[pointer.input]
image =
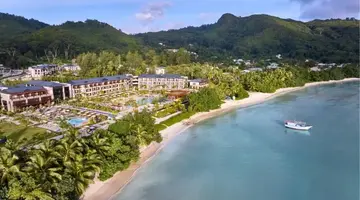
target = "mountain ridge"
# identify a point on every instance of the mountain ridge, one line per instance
(254, 36)
(263, 36)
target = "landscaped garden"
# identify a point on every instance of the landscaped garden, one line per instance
(23, 134)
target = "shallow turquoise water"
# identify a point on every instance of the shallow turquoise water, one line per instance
(248, 154)
(77, 121)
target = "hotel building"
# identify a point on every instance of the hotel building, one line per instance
(161, 81)
(102, 85)
(17, 98)
(34, 93)
(58, 91)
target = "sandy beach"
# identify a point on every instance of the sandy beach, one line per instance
(109, 188)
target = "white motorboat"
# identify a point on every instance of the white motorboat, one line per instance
(297, 125)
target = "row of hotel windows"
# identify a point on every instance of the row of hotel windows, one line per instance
(160, 79)
(28, 95)
(100, 84)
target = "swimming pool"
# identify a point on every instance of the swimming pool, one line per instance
(143, 101)
(76, 122)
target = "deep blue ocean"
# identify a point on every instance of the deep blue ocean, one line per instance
(247, 154)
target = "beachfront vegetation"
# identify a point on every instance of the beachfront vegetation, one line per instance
(234, 82)
(173, 120)
(205, 99)
(168, 109)
(63, 169)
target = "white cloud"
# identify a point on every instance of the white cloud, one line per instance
(311, 9)
(152, 11)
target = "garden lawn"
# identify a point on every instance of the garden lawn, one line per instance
(173, 120)
(20, 132)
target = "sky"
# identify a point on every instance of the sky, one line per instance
(135, 16)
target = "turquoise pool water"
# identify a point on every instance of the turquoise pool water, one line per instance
(76, 122)
(143, 101)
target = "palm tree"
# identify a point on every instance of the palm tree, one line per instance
(99, 143)
(45, 169)
(83, 170)
(8, 165)
(11, 145)
(68, 150)
(16, 192)
(46, 149)
(140, 133)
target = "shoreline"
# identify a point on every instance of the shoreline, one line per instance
(103, 190)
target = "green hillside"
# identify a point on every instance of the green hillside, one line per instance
(11, 25)
(64, 41)
(24, 42)
(265, 36)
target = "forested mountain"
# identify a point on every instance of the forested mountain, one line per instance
(64, 41)
(24, 42)
(259, 36)
(12, 26)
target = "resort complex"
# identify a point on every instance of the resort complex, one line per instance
(37, 93)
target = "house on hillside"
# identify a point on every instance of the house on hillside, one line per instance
(70, 67)
(160, 70)
(39, 71)
(272, 66)
(198, 83)
(315, 69)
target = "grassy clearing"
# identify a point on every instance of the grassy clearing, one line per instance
(173, 120)
(23, 134)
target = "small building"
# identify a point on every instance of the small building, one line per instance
(39, 71)
(17, 98)
(177, 94)
(238, 61)
(160, 70)
(247, 62)
(315, 69)
(273, 66)
(198, 83)
(70, 67)
(255, 69)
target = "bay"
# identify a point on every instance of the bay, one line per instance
(248, 154)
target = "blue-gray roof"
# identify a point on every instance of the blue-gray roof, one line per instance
(160, 76)
(98, 80)
(44, 83)
(44, 66)
(198, 80)
(14, 90)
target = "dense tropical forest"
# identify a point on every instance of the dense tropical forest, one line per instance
(24, 42)
(62, 169)
(259, 36)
